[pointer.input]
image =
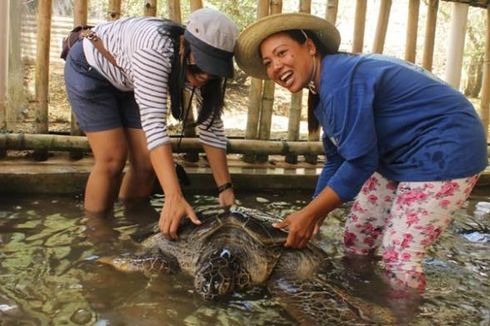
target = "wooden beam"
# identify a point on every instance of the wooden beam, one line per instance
(430, 34)
(331, 12)
(412, 28)
(457, 33)
(485, 92)
(359, 26)
(150, 8)
(382, 26)
(236, 146)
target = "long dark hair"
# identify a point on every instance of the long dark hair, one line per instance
(213, 92)
(301, 36)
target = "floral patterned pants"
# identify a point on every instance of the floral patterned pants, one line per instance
(403, 218)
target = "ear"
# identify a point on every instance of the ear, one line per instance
(310, 45)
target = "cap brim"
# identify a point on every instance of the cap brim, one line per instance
(247, 54)
(212, 64)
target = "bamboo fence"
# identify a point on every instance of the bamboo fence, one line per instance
(261, 93)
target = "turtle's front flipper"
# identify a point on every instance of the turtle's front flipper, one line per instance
(155, 261)
(311, 300)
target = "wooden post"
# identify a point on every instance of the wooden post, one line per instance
(80, 12)
(430, 34)
(455, 52)
(268, 96)
(331, 12)
(412, 26)
(485, 92)
(15, 78)
(296, 101)
(359, 26)
(150, 8)
(174, 11)
(255, 94)
(382, 26)
(114, 9)
(42, 71)
(4, 46)
(196, 4)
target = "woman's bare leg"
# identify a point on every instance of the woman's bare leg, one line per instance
(110, 149)
(138, 179)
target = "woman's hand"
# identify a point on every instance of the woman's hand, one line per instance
(227, 198)
(305, 223)
(301, 226)
(174, 208)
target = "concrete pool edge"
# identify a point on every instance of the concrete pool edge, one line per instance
(64, 176)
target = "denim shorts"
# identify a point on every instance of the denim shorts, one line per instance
(97, 104)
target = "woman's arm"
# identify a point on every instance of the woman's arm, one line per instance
(219, 165)
(175, 206)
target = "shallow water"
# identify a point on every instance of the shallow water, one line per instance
(49, 276)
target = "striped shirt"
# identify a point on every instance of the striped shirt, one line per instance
(144, 57)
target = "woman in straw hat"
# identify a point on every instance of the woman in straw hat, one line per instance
(405, 146)
(122, 103)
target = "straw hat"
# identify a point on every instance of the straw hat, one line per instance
(247, 53)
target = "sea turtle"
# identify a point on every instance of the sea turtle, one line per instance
(237, 249)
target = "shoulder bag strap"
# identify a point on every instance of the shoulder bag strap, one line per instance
(92, 36)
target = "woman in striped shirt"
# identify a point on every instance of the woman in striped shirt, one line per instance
(122, 107)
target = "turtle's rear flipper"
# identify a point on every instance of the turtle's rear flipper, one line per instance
(313, 300)
(150, 262)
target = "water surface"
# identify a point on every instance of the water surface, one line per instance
(49, 276)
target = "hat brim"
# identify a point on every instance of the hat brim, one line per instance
(209, 59)
(247, 53)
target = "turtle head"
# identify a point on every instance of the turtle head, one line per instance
(220, 273)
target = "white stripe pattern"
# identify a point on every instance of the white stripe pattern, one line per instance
(144, 58)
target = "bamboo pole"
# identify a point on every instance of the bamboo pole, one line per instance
(16, 141)
(430, 34)
(15, 78)
(382, 26)
(485, 93)
(150, 8)
(255, 93)
(331, 12)
(196, 4)
(412, 27)
(4, 42)
(4, 51)
(42, 65)
(80, 13)
(457, 31)
(359, 26)
(174, 11)
(296, 101)
(268, 95)
(114, 9)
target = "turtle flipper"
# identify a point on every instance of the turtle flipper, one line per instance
(302, 289)
(149, 262)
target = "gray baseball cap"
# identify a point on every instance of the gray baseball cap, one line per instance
(212, 37)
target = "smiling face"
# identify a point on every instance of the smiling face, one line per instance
(287, 62)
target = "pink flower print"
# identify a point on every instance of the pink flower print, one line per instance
(356, 207)
(387, 199)
(444, 203)
(447, 189)
(354, 217)
(406, 256)
(369, 241)
(390, 256)
(349, 239)
(373, 199)
(391, 186)
(370, 185)
(411, 197)
(407, 238)
(412, 218)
